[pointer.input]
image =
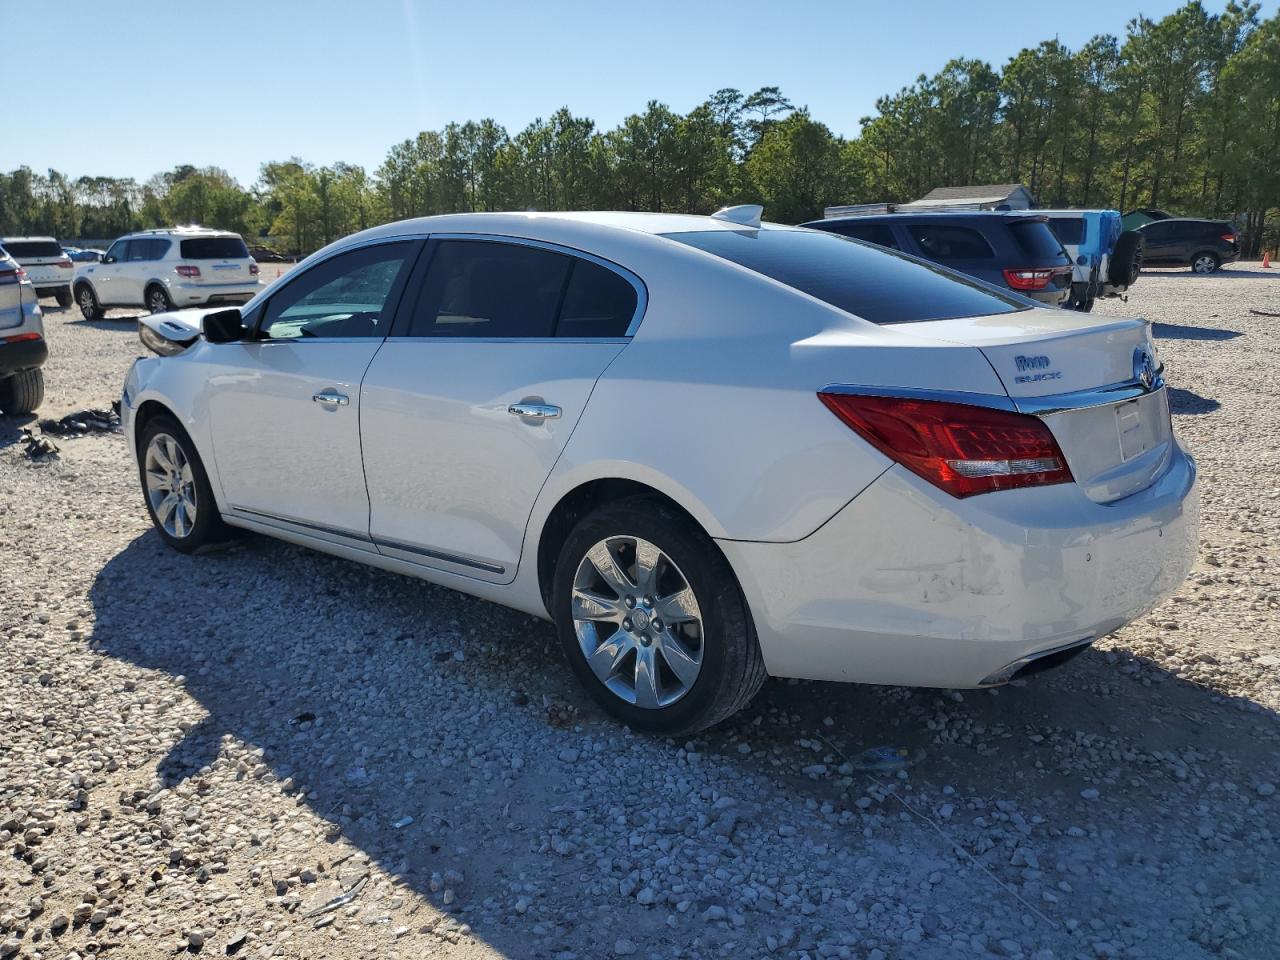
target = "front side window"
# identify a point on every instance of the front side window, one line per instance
(353, 294)
(878, 285)
(483, 288)
(119, 251)
(942, 242)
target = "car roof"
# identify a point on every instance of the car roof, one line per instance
(1183, 220)
(28, 239)
(650, 223)
(926, 214)
(191, 231)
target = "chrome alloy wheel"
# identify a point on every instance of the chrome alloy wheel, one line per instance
(171, 488)
(1204, 264)
(157, 302)
(637, 622)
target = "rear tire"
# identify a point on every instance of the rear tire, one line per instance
(87, 300)
(22, 392)
(158, 299)
(1126, 259)
(64, 297)
(175, 487)
(1205, 263)
(704, 659)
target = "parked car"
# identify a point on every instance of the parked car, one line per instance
(1015, 251)
(267, 255)
(47, 267)
(164, 269)
(709, 450)
(1203, 245)
(23, 350)
(84, 255)
(1136, 218)
(1106, 259)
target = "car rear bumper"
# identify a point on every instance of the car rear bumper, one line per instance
(907, 585)
(21, 354)
(187, 294)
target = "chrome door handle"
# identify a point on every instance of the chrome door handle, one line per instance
(534, 411)
(331, 396)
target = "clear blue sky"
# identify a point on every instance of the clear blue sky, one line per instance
(132, 87)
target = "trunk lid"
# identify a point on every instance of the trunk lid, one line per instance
(1083, 375)
(221, 259)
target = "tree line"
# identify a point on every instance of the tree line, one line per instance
(1181, 113)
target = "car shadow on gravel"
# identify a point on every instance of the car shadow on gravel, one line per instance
(383, 697)
(11, 427)
(1189, 402)
(1188, 331)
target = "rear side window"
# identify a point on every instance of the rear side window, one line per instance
(870, 282)
(151, 249)
(942, 242)
(1068, 229)
(597, 303)
(30, 249)
(482, 288)
(877, 233)
(1038, 241)
(214, 248)
(1157, 230)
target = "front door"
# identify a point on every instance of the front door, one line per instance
(285, 407)
(105, 274)
(465, 415)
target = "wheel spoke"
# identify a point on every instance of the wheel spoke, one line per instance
(609, 655)
(606, 565)
(589, 605)
(646, 678)
(158, 481)
(166, 507)
(682, 665)
(680, 607)
(160, 454)
(648, 557)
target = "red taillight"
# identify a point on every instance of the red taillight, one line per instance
(1229, 237)
(65, 263)
(187, 271)
(1028, 279)
(18, 338)
(961, 448)
(253, 269)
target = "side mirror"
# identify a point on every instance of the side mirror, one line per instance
(107, 259)
(225, 326)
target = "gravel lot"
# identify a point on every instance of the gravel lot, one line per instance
(196, 752)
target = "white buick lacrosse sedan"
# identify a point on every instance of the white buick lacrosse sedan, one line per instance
(710, 450)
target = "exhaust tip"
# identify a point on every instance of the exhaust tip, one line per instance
(1037, 662)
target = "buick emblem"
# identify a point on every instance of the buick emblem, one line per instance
(1144, 367)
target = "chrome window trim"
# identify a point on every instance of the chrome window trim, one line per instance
(642, 292)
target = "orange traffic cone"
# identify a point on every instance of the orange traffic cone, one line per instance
(1266, 259)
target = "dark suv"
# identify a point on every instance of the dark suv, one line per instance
(1014, 250)
(1203, 245)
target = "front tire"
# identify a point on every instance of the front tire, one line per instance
(22, 392)
(158, 299)
(87, 300)
(652, 620)
(1205, 263)
(64, 297)
(176, 487)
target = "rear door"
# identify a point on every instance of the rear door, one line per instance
(1163, 242)
(470, 403)
(138, 266)
(285, 408)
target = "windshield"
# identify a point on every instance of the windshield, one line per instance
(870, 282)
(214, 248)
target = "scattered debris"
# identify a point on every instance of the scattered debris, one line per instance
(884, 759)
(339, 901)
(402, 822)
(305, 717)
(85, 421)
(38, 446)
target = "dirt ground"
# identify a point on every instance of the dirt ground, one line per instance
(198, 753)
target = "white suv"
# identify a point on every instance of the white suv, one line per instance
(169, 269)
(46, 264)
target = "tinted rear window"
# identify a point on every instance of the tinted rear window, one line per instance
(23, 249)
(877, 233)
(876, 284)
(214, 248)
(1038, 242)
(944, 242)
(1068, 229)
(597, 303)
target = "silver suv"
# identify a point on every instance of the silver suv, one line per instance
(23, 350)
(167, 270)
